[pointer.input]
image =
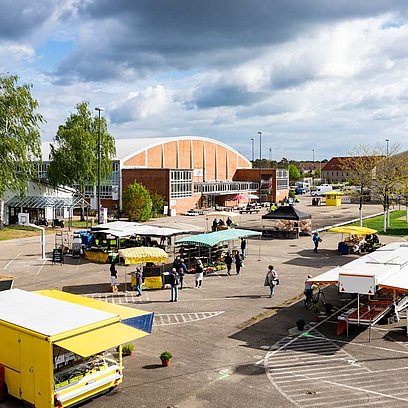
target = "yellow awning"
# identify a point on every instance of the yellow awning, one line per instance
(98, 340)
(123, 311)
(96, 256)
(139, 255)
(349, 229)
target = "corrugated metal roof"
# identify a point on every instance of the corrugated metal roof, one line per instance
(42, 202)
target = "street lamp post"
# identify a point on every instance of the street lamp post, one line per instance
(387, 140)
(270, 155)
(253, 149)
(260, 163)
(313, 167)
(98, 191)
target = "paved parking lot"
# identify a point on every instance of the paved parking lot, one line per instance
(231, 344)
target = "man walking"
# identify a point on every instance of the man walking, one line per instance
(243, 247)
(316, 240)
(228, 262)
(182, 270)
(139, 281)
(174, 282)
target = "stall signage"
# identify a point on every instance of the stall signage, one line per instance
(352, 283)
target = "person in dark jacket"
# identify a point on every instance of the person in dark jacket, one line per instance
(174, 282)
(228, 262)
(139, 281)
(243, 247)
(182, 270)
(199, 274)
(238, 262)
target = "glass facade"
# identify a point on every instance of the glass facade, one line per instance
(282, 179)
(181, 183)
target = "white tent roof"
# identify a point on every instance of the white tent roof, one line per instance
(388, 264)
(32, 311)
(126, 229)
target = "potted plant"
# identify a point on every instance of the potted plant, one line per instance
(165, 358)
(300, 324)
(127, 349)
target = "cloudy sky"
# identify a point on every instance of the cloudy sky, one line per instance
(318, 75)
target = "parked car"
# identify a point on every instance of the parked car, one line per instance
(194, 212)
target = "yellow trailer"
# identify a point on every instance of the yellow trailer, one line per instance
(58, 349)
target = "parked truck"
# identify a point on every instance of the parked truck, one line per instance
(59, 349)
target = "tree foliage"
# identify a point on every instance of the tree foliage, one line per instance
(294, 172)
(137, 203)
(74, 153)
(157, 204)
(20, 140)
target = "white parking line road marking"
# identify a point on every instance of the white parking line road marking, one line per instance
(314, 371)
(9, 263)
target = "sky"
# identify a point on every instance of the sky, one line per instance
(316, 77)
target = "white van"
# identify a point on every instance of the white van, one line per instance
(320, 190)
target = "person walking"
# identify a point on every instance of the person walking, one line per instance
(182, 270)
(139, 281)
(199, 274)
(114, 277)
(228, 262)
(174, 282)
(229, 222)
(238, 262)
(308, 291)
(243, 247)
(271, 280)
(214, 225)
(316, 240)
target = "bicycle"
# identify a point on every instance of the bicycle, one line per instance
(312, 300)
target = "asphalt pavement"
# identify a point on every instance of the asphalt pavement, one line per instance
(232, 345)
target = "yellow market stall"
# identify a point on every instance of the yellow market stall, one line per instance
(333, 198)
(58, 349)
(359, 239)
(152, 273)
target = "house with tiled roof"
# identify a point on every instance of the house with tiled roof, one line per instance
(334, 170)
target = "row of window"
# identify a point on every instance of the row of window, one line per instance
(225, 187)
(181, 183)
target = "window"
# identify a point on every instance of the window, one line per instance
(181, 183)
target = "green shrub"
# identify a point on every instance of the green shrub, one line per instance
(166, 355)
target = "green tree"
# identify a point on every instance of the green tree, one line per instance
(137, 203)
(74, 153)
(157, 204)
(20, 140)
(294, 172)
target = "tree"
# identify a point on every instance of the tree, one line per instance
(74, 154)
(137, 203)
(391, 173)
(20, 140)
(360, 167)
(294, 172)
(157, 204)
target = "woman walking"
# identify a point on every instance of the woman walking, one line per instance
(271, 280)
(238, 262)
(199, 274)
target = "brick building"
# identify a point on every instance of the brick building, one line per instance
(187, 171)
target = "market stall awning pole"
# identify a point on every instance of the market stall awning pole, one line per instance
(259, 248)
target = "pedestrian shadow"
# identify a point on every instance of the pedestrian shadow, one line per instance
(88, 288)
(325, 257)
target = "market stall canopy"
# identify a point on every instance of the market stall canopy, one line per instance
(46, 201)
(140, 255)
(214, 238)
(286, 212)
(349, 229)
(223, 214)
(388, 264)
(125, 229)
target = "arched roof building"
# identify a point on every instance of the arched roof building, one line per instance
(188, 171)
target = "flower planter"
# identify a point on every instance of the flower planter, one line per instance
(165, 363)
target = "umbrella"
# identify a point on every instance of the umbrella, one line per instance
(252, 196)
(223, 214)
(239, 197)
(142, 255)
(349, 229)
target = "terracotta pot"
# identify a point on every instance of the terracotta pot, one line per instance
(165, 363)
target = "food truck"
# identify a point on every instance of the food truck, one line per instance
(59, 349)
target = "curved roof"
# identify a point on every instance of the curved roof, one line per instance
(127, 148)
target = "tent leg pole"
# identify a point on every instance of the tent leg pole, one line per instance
(259, 248)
